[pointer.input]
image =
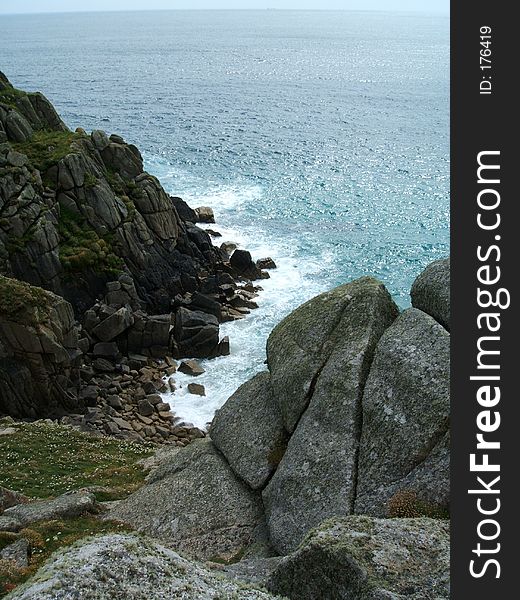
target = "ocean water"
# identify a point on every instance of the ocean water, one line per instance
(319, 138)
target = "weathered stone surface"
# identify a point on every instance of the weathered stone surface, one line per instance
(10, 498)
(9, 524)
(16, 553)
(406, 406)
(431, 291)
(249, 431)
(197, 389)
(38, 347)
(114, 325)
(120, 567)
(243, 264)
(316, 478)
(65, 506)
(360, 558)
(204, 214)
(196, 333)
(194, 501)
(191, 367)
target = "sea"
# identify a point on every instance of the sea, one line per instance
(319, 138)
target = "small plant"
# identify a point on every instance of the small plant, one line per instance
(407, 504)
(90, 180)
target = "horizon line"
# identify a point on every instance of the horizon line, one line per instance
(142, 10)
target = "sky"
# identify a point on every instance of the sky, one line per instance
(37, 6)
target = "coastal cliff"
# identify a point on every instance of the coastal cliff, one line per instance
(325, 475)
(79, 217)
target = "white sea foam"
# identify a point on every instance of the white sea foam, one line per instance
(287, 287)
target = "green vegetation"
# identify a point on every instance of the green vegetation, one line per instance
(21, 301)
(10, 95)
(45, 538)
(81, 247)
(46, 148)
(90, 180)
(57, 459)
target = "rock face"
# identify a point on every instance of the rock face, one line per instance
(317, 476)
(406, 406)
(76, 208)
(38, 348)
(249, 431)
(360, 558)
(351, 417)
(118, 567)
(65, 506)
(194, 501)
(431, 291)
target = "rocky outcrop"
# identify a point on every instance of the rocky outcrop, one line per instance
(317, 475)
(249, 431)
(406, 407)
(119, 567)
(78, 209)
(194, 502)
(38, 351)
(351, 417)
(360, 558)
(431, 291)
(65, 506)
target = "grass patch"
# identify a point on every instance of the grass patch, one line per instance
(45, 538)
(81, 247)
(10, 95)
(46, 148)
(42, 460)
(21, 302)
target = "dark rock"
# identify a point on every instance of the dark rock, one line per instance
(186, 213)
(38, 351)
(431, 291)
(223, 348)
(113, 325)
(206, 304)
(243, 264)
(107, 350)
(197, 389)
(249, 431)
(191, 367)
(145, 408)
(204, 214)
(196, 333)
(266, 263)
(103, 365)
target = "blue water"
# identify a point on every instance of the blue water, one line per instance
(319, 138)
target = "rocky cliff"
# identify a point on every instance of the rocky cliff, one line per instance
(79, 217)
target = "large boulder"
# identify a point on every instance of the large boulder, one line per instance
(361, 558)
(317, 476)
(128, 566)
(194, 502)
(196, 333)
(249, 431)
(64, 506)
(431, 291)
(406, 407)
